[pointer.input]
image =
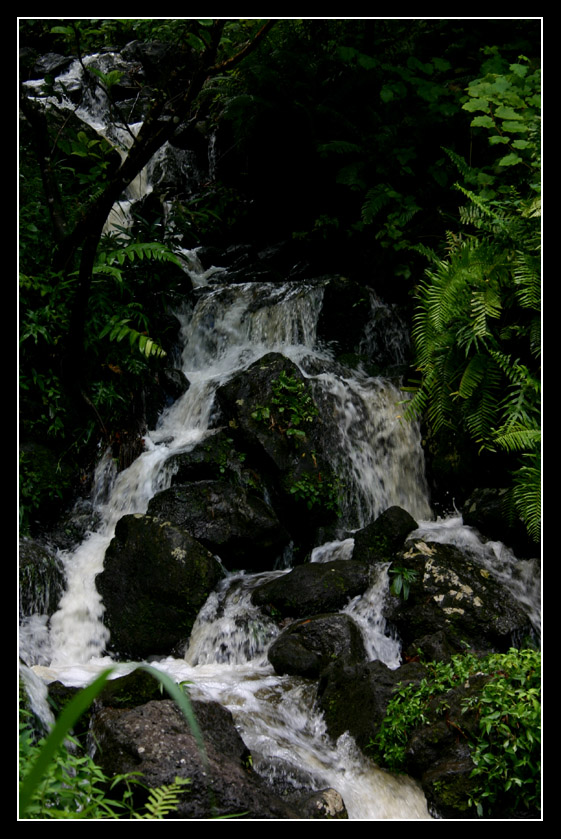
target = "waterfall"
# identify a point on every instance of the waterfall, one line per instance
(379, 460)
(228, 329)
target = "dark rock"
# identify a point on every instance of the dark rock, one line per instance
(237, 526)
(324, 804)
(216, 457)
(380, 540)
(155, 579)
(285, 442)
(355, 698)
(41, 579)
(314, 588)
(307, 646)
(344, 315)
(156, 740)
(453, 595)
(438, 752)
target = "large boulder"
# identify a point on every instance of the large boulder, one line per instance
(238, 526)
(156, 740)
(155, 579)
(453, 595)
(307, 646)
(314, 588)
(272, 408)
(355, 698)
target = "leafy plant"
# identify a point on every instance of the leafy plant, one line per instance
(505, 748)
(164, 799)
(477, 325)
(315, 491)
(402, 579)
(291, 406)
(38, 767)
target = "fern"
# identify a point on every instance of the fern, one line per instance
(164, 800)
(139, 250)
(117, 329)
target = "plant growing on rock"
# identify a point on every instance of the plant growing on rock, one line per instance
(290, 408)
(505, 743)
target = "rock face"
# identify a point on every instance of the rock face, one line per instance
(155, 579)
(354, 698)
(453, 595)
(380, 540)
(307, 646)
(237, 526)
(157, 741)
(314, 588)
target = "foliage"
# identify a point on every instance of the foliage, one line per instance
(58, 784)
(290, 408)
(477, 325)
(401, 580)
(314, 489)
(505, 749)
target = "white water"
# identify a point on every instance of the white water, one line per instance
(227, 658)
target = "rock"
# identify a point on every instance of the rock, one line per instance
(156, 740)
(380, 540)
(314, 588)
(234, 524)
(155, 580)
(454, 595)
(355, 698)
(272, 408)
(324, 804)
(41, 579)
(307, 646)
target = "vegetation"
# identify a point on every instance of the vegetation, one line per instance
(477, 327)
(505, 747)
(358, 127)
(318, 116)
(291, 406)
(57, 780)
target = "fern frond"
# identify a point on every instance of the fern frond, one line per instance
(140, 250)
(527, 496)
(164, 800)
(518, 438)
(118, 329)
(376, 199)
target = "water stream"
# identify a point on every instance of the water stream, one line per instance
(379, 458)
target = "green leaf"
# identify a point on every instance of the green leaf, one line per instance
(510, 159)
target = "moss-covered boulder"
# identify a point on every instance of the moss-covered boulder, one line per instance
(155, 579)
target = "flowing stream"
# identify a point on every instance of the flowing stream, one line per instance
(379, 459)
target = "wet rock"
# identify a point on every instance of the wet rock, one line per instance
(271, 406)
(451, 594)
(307, 646)
(324, 804)
(156, 740)
(355, 698)
(237, 526)
(155, 579)
(314, 588)
(41, 579)
(380, 540)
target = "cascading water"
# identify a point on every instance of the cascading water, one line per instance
(379, 460)
(228, 329)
